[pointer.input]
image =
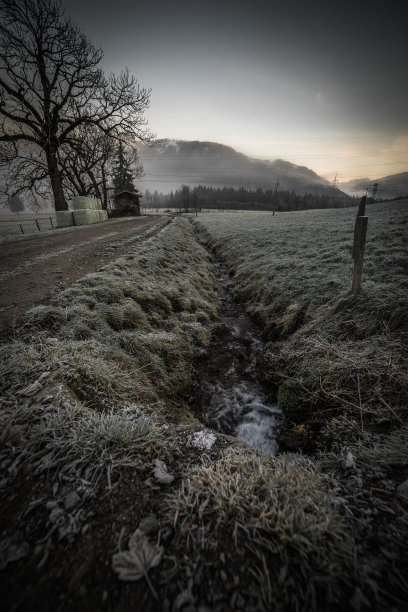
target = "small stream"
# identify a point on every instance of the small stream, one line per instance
(229, 396)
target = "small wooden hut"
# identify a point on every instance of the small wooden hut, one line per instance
(126, 203)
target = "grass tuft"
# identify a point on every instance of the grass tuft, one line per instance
(279, 508)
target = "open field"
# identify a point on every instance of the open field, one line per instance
(325, 349)
(99, 443)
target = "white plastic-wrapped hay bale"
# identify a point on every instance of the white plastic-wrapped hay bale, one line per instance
(64, 218)
(98, 204)
(104, 215)
(84, 217)
(81, 203)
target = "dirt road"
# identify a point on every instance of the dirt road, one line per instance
(34, 268)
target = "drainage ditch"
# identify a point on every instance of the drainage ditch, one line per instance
(229, 395)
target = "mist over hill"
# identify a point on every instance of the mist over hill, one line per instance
(391, 186)
(171, 163)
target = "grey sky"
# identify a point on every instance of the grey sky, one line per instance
(321, 84)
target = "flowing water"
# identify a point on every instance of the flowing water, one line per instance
(229, 395)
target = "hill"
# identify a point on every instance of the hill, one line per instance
(171, 163)
(391, 186)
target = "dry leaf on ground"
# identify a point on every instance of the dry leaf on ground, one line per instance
(160, 472)
(133, 564)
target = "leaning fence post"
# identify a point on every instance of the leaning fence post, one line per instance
(38, 225)
(360, 235)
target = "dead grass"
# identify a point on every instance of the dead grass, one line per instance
(82, 443)
(327, 349)
(104, 335)
(300, 551)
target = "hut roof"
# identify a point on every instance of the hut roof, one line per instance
(133, 193)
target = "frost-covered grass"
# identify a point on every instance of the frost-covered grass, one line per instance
(326, 349)
(126, 333)
(338, 366)
(299, 552)
(123, 336)
(82, 443)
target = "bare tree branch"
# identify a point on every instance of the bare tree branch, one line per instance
(52, 87)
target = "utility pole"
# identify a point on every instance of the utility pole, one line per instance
(276, 192)
(335, 182)
(375, 188)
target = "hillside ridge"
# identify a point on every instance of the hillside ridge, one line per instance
(170, 163)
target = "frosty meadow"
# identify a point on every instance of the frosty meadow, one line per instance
(118, 496)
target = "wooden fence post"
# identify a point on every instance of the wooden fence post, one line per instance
(360, 235)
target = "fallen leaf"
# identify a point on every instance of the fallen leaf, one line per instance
(43, 376)
(133, 564)
(32, 389)
(14, 434)
(350, 461)
(12, 549)
(160, 472)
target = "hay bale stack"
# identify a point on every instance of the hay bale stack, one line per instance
(87, 210)
(84, 217)
(81, 203)
(64, 218)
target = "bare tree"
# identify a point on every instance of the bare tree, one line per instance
(85, 163)
(51, 84)
(89, 163)
(16, 204)
(23, 173)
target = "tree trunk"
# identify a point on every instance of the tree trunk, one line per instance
(56, 181)
(95, 185)
(104, 191)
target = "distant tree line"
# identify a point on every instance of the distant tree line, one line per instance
(229, 198)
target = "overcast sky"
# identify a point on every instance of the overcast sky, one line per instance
(320, 84)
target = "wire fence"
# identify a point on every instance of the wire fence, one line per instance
(21, 225)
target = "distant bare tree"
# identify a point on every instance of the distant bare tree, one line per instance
(51, 84)
(16, 204)
(85, 163)
(88, 163)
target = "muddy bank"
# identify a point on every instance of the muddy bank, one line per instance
(229, 395)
